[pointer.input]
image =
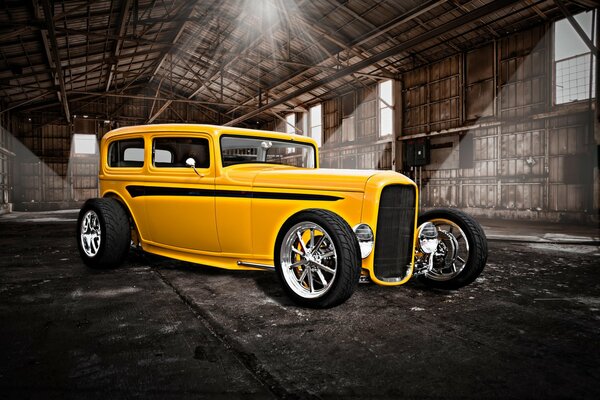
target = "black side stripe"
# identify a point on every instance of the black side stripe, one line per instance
(138, 191)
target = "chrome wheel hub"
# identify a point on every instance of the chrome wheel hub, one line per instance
(452, 252)
(308, 260)
(90, 234)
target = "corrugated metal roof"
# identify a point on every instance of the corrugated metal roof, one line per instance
(233, 52)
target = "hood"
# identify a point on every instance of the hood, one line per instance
(342, 180)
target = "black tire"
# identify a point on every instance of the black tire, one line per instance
(335, 237)
(477, 248)
(109, 248)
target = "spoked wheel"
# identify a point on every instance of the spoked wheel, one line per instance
(309, 260)
(452, 253)
(461, 253)
(316, 257)
(91, 234)
(103, 233)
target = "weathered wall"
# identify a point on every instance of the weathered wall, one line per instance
(6, 157)
(49, 174)
(529, 158)
(351, 133)
(499, 147)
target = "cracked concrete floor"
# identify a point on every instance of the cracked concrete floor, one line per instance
(529, 327)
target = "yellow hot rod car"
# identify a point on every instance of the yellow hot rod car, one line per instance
(246, 199)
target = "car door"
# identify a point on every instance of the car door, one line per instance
(180, 201)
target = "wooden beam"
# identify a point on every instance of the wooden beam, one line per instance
(402, 19)
(118, 44)
(53, 56)
(160, 111)
(168, 100)
(187, 10)
(406, 45)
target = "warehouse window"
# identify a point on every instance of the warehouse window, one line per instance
(85, 144)
(573, 61)
(290, 127)
(386, 105)
(316, 123)
(290, 123)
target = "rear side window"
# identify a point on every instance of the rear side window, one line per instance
(128, 153)
(173, 152)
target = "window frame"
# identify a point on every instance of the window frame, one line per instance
(382, 104)
(84, 136)
(554, 62)
(290, 126)
(174, 138)
(110, 145)
(320, 125)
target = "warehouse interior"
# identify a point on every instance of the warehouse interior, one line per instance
(490, 106)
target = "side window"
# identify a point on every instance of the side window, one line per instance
(128, 153)
(172, 152)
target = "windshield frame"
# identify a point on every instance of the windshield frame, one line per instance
(292, 143)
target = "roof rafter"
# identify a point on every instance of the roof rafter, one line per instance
(53, 56)
(453, 24)
(122, 21)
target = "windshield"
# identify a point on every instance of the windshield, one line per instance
(240, 150)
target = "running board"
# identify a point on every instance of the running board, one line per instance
(255, 265)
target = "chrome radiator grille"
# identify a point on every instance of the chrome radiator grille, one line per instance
(395, 230)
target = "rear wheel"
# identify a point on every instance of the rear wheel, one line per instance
(103, 233)
(316, 258)
(461, 253)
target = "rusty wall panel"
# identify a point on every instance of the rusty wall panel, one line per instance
(85, 125)
(29, 186)
(384, 160)
(5, 143)
(479, 90)
(350, 141)
(84, 177)
(431, 98)
(349, 129)
(570, 163)
(348, 104)
(567, 197)
(376, 156)
(367, 113)
(441, 195)
(331, 122)
(480, 195)
(523, 78)
(44, 171)
(443, 153)
(56, 141)
(521, 196)
(522, 164)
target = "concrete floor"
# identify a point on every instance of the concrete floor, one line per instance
(529, 327)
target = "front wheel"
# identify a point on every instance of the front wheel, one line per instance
(103, 233)
(317, 259)
(461, 252)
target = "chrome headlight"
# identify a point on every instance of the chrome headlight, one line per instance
(365, 237)
(428, 237)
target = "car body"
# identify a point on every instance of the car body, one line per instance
(221, 196)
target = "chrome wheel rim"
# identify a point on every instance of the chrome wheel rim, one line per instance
(452, 254)
(90, 233)
(308, 260)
